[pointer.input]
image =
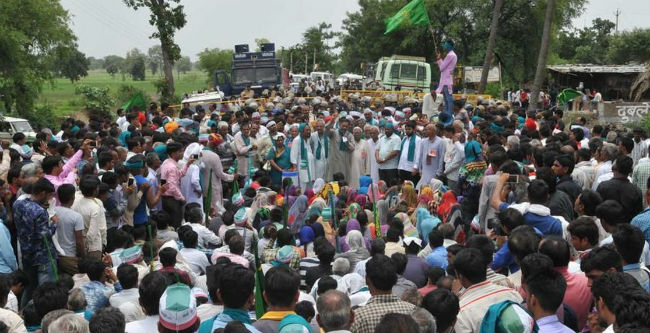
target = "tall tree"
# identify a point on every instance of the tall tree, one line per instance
(71, 63)
(543, 55)
(167, 19)
(113, 64)
(211, 60)
(154, 58)
(134, 65)
(496, 12)
(30, 34)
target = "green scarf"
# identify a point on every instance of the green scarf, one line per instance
(303, 150)
(238, 315)
(411, 153)
(342, 145)
(318, 149)
(246, 139)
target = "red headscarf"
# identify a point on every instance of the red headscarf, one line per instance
(447, 202)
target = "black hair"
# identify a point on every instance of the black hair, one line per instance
(189, 238)
(584, 154)
(381, 272)
(627, 143)
(455, 248)
(5, 287)
(557, 248)
(236, 244)
(434, 274)
(49, 296)
(538, 192)
(66, 193)
(107, 320)
(240, 283)
(566, 160)
(127, 275)
(377, 246)
(584, 227)
(601, 258)
(435, 238)
(325, 283)
(629, 242)
(397, 323)
(167, 257)
(482, 243)
(326, 253)
(173, 147)
(471, 264)
(161, 218)
(443, 305)
(104, 158)
(399, 262)
(42, 185)
(624, 164)
(281, 286)
(284, 237)
(305, 309)
(94, 269)
(88, 186)
(510, 218)
(31, 316)
(618, 289)
(590, 200)
(151, 289)
(548, 287)
(535, 263)
(610, 212)
(392, 235)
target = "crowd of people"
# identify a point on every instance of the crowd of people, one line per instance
(319, 214)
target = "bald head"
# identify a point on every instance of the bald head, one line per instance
(430, 130)
(334, 311)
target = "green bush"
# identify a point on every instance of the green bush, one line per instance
(96, 100)
(42, 116)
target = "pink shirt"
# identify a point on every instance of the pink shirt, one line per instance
(577, 295)
(66, 176)
(169, 171)
(447, 66)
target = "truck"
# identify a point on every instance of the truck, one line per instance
(10, 126)
(406, 72)
(257, 70)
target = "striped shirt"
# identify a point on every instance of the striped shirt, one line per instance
(367, 317)
(475, 301)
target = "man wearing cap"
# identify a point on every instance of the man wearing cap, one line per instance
(177, 310)
(319, 143)
(302, 159)
(387, 154)
(432, 102)
(447, 66)
(341, 148)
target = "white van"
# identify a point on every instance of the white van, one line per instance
(325, 76)
(409, 73)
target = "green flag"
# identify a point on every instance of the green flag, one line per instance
(412, 14)
(567, 94)
(136, 100)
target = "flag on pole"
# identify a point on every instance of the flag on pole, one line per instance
(414, 13)
(207, 200)
(136, 100)
(567, 95)
(374, 211)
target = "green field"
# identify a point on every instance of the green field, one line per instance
(61, 95)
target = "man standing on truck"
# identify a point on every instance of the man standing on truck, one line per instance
(447, 66)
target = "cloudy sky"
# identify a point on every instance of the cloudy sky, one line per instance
(109, 27)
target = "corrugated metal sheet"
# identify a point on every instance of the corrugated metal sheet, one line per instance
(589, 68)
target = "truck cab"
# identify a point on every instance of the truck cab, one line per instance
(10, 126)
(259, 70)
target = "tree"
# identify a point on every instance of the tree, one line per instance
(629, 46)
(95, 63)
(154, 59)
(167, 19)
(543, 55)
(315, 47)
(211, 60)
(71, 63)
(134, 65)
(31, 32)
(259, 42)
(587, 45)
(496, 12)
(113, 64)
(183, 65)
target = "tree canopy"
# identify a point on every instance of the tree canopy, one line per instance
(211, 60)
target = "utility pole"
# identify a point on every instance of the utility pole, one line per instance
(313, 67)
(291, 61)
(306, 60)
(617, 13)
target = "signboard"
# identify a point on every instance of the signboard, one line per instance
(626, 113)
(473, 74)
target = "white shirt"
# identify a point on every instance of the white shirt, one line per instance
(196, 259)
(127, 301)
(385, 146)
(208, 310)
(404, 163)
(92, 212)
(146, 325)
(206, 236)
(13, 321)
(429, 106)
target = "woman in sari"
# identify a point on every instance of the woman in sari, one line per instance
(425, 223)
(351, 225)
(279, 158)
(409, 197)
(382, 215)
(297, 214)
(357, 252)
(446, 204)
(409, 229)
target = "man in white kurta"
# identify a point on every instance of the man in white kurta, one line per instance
(429, 157)
(319, 143)
(302, 158)
(431, 103)
(213, 167)
(360, 158)
(341, 147)
(244, 146)
(407, 169)
(372, 141)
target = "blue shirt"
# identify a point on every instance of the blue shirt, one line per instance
(8, 262)
(97, 295)
(642, 221)
(438, 257)
(639, 274)
(548, 224)
(32, 225)
(140, 212)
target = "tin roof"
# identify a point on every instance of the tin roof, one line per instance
(590, 68)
